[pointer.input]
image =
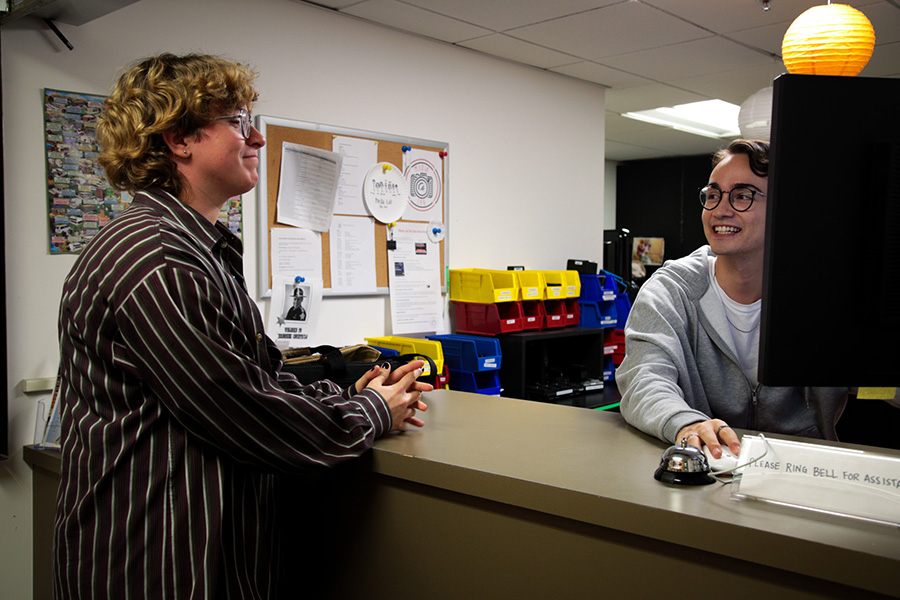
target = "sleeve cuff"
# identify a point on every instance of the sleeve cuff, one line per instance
(375, 407)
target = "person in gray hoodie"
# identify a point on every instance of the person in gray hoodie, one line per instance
(692, 337)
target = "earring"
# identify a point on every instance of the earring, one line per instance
(185, 151)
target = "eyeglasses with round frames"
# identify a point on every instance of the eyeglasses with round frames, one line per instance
(741, 198)
(244, 117)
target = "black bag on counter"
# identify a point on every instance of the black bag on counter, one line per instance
(344, 366)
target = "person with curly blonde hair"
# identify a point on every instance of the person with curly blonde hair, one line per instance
(177, 417)
(163, 94)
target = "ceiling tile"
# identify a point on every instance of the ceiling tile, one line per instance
(622, 128)
(591, 71)
(736, 15)
(610, 31)
(648, 96)
(416, 20)
(331, 3)
(507, 14)
(620, 151)
(688, 59)
(733, 86)
(885, 19)
(766, 38)
(885, 62)
(675, 143)
(504, 46)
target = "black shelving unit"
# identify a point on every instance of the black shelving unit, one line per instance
(553, 365)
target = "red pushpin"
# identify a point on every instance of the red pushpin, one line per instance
(442, 154)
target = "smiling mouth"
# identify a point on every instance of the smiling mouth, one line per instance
(726, 229)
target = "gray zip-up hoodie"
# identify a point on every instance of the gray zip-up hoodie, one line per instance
(680, 365)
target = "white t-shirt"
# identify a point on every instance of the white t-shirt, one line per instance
(743, 321)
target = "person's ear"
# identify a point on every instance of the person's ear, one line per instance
(177, 143)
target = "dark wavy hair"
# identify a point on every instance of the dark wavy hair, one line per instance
(757, 152)
(165, 93)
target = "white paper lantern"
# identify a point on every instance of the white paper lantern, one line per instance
(755, 118)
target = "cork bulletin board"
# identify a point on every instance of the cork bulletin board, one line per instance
(390, 149)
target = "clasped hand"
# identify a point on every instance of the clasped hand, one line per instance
(400, 390)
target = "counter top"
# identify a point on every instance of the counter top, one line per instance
(592, 467)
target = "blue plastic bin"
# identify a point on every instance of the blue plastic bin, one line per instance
(603, 287)
(609, 369)
(469, 352)
(387, 351)
(477, 382)
(598, 314)
(623, 307)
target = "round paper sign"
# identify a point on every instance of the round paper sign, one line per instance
(424, 181)
(385, 192)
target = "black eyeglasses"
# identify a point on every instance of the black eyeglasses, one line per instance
(741, 198)
(244, 117)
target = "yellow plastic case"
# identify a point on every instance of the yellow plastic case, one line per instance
(483, 285)
(562, 284)
(405, 345)
(531, 285)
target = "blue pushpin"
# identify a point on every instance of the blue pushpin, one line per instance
(406, 148)
(299, 279)
(436, 230)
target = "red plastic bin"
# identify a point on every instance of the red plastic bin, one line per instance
(533, 314)
(555, 313)
(488, 319)
(573, 311)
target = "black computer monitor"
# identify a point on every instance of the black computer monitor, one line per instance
(831, 284)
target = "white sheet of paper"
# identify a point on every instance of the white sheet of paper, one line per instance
(359, 155)
(352, 248)
(424, 177)
(294, 310)
(308, 186)
(415, 279)
(296, 251)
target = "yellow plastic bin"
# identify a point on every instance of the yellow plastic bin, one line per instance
(562, 284)
(405, 345)
(483, 285)
(531, 285)
(572, 284)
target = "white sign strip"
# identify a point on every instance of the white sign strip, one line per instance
(856, 483)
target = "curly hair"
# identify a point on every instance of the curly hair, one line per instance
(757, 152)
(159, 94)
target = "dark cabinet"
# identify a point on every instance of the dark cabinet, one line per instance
(562, 366)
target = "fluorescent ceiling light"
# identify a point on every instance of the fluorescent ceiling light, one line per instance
(709, 118)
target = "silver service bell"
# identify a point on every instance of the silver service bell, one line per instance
(684, 465)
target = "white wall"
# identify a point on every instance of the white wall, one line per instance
(526, 180)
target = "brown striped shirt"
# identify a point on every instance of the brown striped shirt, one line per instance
(177, 418)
